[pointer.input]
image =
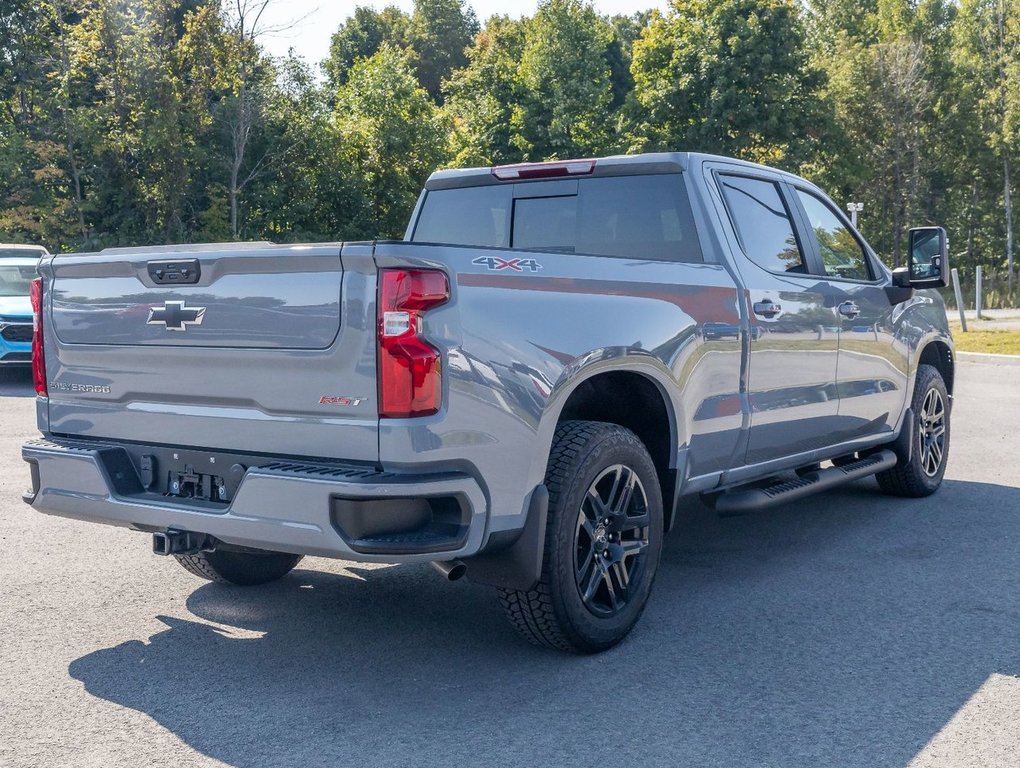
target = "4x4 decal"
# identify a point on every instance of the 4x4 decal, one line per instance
(495, 264)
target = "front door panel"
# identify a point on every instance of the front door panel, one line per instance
(872, 369)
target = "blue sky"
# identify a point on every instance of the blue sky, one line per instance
(312, 22)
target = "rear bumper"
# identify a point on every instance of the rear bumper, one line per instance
(281, 506)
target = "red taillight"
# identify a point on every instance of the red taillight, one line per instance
(35, 293)
(410, 369)
(544, 170)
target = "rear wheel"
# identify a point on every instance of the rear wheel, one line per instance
(242, 568)
(922, 475)
(603, 539)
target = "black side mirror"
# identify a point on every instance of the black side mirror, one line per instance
(927, 257)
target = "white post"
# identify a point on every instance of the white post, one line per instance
(959, 298)
(854, 208)
(978, 292)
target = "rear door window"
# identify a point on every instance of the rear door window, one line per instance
(762, 223)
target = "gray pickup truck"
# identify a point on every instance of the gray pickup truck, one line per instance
(528, 389)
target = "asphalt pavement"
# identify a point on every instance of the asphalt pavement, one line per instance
(849, 629)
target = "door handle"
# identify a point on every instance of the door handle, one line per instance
(767, 308)
(849, 310)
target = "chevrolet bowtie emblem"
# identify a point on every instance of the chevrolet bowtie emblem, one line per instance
(176, 316)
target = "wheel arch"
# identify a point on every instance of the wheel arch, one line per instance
(634, 398)
(938, 354)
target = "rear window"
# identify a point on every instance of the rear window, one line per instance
(640, 217)
(469, 216)
(15, 280)
(19, 253)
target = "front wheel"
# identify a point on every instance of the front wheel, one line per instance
(922, 475)
(603, 540)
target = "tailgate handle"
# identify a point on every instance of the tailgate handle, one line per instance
(176, 272)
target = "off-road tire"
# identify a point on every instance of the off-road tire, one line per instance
(909, 478)
(554, 613)
(245, 569)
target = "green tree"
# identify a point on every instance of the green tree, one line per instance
(34, 200)
(360, 37)
(627, 29)
(440, 33)
(566, 84)
(731, 77)
(537, 88)
(393, 135)
(480, 98)
(828, 22)
(987, 57)
(895, 115)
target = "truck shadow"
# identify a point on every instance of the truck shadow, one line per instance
(843, 630)
(16, 381)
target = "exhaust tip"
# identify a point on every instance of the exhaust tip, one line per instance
(452, 570)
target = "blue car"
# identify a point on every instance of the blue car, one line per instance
(16, 275)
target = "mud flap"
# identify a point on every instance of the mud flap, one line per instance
(903, 445)
(519, 565)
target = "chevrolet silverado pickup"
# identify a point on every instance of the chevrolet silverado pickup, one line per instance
(527, 389)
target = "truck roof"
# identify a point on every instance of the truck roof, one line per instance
(21, 251)
(616, 165)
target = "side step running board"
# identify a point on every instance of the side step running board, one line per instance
(740, 501)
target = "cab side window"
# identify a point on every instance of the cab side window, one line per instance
(842, 255)
(762, 223)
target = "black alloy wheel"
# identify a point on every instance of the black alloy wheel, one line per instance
(602, 543)
(931, 427)
(611, 541)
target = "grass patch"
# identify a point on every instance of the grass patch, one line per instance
(995, 342)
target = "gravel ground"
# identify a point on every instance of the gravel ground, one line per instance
(845, 630)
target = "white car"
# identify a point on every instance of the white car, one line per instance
(17, 251)
(16, 309)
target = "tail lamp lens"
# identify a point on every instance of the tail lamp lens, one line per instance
(35, 293)
(410, 369)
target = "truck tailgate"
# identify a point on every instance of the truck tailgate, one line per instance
(248, 347)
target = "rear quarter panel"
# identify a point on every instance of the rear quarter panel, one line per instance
(516, 343)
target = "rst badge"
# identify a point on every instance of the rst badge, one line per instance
(176, 315)
(341, 400)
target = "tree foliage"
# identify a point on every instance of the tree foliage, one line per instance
(730, 77)
(538, 88)
(392, 133)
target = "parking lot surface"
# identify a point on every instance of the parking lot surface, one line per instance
(849, 629)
